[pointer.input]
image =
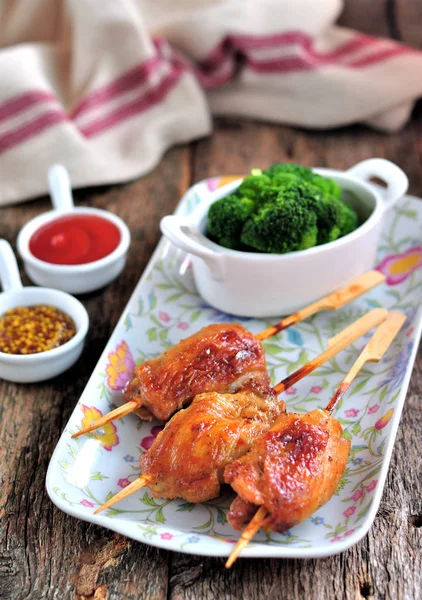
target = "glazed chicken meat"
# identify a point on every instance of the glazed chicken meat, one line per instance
(188, 457)
(219, 358)
(291, 470)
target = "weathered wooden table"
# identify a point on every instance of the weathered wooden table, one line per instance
(46, 554)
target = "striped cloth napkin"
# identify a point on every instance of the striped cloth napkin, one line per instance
(106, 87)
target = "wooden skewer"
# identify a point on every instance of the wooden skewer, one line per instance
(361, 326)
(354, 331)
(333, 301)
(127, 491)
(121, 411)
(373, 352)
(247, 534)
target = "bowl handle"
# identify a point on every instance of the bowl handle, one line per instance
(9, 272)
(60, 189)
(182, 233)
(395, 179)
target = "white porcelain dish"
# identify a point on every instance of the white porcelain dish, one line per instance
(164, 308)
(75, 279)
(263, 285)
(43, 365)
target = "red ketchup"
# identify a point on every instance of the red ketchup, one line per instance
(74, 239)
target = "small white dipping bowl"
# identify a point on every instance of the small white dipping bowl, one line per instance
(42, 365)
(267, 285)
(76, 279)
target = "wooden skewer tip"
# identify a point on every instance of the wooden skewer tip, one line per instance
(117, 413)
(127, 491)
(247, 534)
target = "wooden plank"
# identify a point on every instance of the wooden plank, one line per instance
(368, 17)
(396, 19)
(409, 21)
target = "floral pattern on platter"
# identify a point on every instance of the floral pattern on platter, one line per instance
(398, 268)
(165, 308)
(120, 366)
(107, 435)
(147, 441)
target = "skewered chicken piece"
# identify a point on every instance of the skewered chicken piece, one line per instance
(218, 358)
(188, 457)
(295, 467)
(292, 469)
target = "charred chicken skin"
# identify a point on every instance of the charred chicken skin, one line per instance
(219, 358)
(188, 457)
(291, 470)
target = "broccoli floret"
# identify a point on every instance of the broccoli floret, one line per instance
(328, 214)
(226, 218)
(334, 218)
(283, 226)
(267, 195)
(294, 169)
(299, 211)
(349, 219)
(327, 208)
(282, 180)
(253, 185)
(327, 186)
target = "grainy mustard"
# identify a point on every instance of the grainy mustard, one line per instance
(32, 329)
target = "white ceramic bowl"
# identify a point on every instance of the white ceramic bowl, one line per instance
(76, 279)
(267, 285)
(43, 365)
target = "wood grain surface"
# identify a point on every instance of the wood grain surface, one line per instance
(45, 554)
(397, 19)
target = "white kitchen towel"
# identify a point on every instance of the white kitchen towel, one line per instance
(105, 87)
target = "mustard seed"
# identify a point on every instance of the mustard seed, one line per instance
(33, 329)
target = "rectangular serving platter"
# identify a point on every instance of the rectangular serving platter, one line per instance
(164, 308)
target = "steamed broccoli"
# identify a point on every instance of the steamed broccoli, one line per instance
(327, 209)
(283, 226)
(325, 202)
(226, 218)
(327, 186)
(334, 218)
(287, 207)
(254, 185)
(328, 213)
(348, 219)
(299, 171)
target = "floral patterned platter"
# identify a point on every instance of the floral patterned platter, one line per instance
(85, 472)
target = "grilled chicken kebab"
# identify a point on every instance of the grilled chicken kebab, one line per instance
(188, 457)
(218, 358)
